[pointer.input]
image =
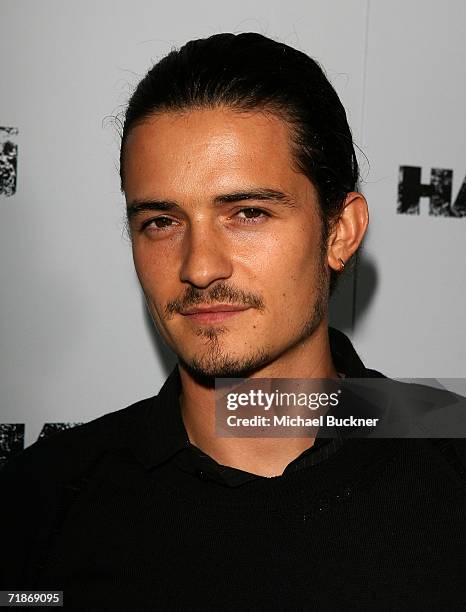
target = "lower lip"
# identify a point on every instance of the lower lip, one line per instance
(213, 317)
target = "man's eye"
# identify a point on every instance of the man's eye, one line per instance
(251, 214)
(158, 222)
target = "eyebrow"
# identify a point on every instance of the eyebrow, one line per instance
(137, 207)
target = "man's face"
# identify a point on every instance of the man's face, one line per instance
(220, 220)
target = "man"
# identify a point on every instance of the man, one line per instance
(240, 179)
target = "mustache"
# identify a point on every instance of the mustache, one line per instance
(222, 293)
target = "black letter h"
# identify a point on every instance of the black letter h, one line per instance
(410, 190)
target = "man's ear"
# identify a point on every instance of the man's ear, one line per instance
(347, 231)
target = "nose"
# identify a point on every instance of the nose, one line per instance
(205, 256)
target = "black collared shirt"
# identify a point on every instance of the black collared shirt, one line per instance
(193, 460)
(166, 425)
(106, 513)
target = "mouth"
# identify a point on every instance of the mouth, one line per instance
(214, 313)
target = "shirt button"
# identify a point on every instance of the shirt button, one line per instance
(202, 475)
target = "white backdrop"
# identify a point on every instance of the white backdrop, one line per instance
(76, 340)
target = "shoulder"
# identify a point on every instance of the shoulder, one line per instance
(419, 414)
(66, 454)
(39, 483)
(436, 417)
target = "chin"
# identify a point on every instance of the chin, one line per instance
(221, 365)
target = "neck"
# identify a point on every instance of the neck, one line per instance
(263, 456)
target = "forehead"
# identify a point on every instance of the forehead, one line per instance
(209, 150)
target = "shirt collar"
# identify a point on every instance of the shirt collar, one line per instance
(160, 433)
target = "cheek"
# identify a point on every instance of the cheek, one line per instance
(296, 258)
(292, 275)
(155, 273)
